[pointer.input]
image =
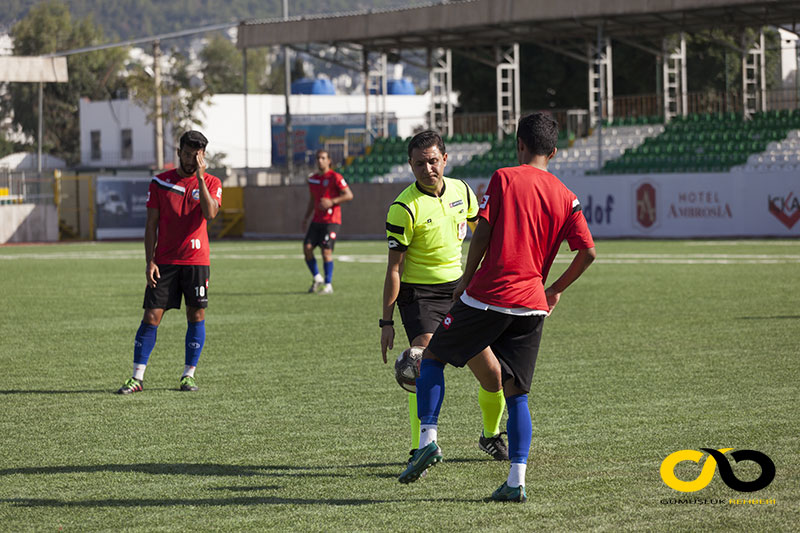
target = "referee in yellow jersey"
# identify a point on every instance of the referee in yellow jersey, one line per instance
(425, 228)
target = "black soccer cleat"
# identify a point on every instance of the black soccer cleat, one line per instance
(494, 446)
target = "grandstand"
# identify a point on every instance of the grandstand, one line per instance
(707, 142)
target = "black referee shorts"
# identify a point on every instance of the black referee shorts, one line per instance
(423, 307)
(466, 331)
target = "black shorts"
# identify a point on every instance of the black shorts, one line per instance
(423, 307)
(466, 331)
(191, 281)
(322, 235)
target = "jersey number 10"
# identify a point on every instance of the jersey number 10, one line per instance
(195, 244)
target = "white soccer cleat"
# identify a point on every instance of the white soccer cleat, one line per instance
(316, 284)
(327, 289)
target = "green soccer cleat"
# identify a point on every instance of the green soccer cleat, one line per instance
(509, 494)
(420, 461)
(130, 386)
(188, 384)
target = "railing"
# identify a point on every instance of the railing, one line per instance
(25, 187)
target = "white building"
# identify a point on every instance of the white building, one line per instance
(117, 133)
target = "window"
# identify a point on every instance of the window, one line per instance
(126, 147)
(95, 137)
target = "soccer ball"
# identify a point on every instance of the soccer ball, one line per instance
(406, 368)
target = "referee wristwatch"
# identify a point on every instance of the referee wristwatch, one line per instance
(382, 322)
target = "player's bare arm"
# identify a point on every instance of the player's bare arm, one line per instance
(344, 196)
(391, 288)
(477, 249)
(578, 266)
(150, 239)
(209, 205)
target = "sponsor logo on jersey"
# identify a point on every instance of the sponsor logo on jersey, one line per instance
(462, 230)
(393, 243)
(324, 183)
(196, 194)
(456, 203)
(484, 201)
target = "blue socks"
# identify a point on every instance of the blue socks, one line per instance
(430, 391)
(312, 266)
(328, 266)
(144, 343)
(520, 428)
(195, 338)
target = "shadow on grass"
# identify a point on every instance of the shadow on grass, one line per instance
(199, 502)
(777, 317)
(183, 469)
(94, 391)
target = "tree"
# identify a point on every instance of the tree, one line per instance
(48, 28)
(181, 91)
(222, 67)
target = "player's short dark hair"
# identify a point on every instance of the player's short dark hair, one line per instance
(539, 133)
(193, 139)
(426, 139)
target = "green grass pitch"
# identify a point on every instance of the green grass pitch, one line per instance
(298, 426)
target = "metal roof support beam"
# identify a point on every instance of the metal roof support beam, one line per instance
(441, 87)
(601, 86)
(754, 77)
(375, 81)
(674, 78)
(508, 97)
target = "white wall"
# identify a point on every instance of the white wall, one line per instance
(28, 223)
(110, 117)
(223, 124)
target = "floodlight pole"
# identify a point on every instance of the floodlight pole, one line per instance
(287, 74)
(41, 111)
(601, 95)
(159, 124)
(246, 138)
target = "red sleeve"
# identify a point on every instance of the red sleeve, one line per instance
(577, 231)
(215, 189)
(152, 195)
(341, 184)
(491, 201)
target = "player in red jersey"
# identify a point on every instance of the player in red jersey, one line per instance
(179, 204)
(328, 191)
(525, 215)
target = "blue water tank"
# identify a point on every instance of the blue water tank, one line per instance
(312, 86)
(404, 86)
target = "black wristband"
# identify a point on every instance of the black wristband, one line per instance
(383, 322)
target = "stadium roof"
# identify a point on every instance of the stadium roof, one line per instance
(470, 23)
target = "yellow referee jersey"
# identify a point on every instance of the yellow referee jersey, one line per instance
(430, 230)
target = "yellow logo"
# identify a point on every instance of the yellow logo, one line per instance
(668, 470)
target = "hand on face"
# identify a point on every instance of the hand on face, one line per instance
(201, 164)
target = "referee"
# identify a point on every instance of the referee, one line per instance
(425, 227)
